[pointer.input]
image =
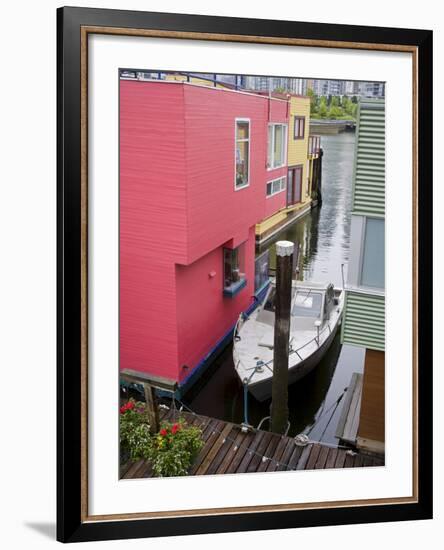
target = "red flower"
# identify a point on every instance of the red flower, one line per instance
(129, 405)
(175, 428)
(163, 432)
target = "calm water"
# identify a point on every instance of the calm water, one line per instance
(323, 236)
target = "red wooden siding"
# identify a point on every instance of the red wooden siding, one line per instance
(152, 224)
(204, 315)
(216, 211)
(178, 208)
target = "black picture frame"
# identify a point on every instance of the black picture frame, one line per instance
(71, 523)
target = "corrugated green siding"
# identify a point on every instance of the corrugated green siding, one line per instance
(364, 321)
(369, 180)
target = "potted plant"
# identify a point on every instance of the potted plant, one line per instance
(174, 449)
(135, 437)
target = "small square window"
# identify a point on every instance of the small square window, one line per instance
(234, 270)
(276, 186)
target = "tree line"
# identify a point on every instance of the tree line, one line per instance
(332, 107)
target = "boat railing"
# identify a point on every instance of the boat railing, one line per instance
(315, 339)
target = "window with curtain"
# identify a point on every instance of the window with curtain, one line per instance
(242, 153)
(277, 144)
(234, 270)
(299, 127)
(276, 186)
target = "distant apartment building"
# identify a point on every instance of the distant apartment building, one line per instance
(352, 88)
(364, 313)
(347, 87)
(296, 86)
(200, 167)
(372, 89)
(329, 87)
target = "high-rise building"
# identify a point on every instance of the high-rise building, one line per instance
(329, 87)
(270, 83)
(352, 88)
(372, 89)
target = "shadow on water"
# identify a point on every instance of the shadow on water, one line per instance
(323, 236)
(306, 397)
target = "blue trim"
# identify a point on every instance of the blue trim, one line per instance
(260, 293)
(235, 288)
(202, 366)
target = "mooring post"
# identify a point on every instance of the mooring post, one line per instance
(153, 409)
(279, 394)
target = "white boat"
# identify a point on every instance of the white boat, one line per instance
(316, 314)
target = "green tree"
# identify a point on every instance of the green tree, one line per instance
(334, 112)
(322, 109)
(349, 107)
(313, 100)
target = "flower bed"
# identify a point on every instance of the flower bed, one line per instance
(171, 451)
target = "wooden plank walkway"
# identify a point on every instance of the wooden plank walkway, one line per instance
(227, 450)
(348, 424)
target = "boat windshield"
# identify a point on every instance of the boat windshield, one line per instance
(269, 304)
(307, 304)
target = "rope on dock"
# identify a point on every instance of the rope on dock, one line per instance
(264, 458)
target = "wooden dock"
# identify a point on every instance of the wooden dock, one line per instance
(347, 429)
(227, 450)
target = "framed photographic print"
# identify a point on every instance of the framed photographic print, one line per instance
(244, 274)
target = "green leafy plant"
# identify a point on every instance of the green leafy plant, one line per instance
(174, 448)
(135, 437)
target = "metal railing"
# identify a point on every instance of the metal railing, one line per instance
(314, 145)
(267, 364)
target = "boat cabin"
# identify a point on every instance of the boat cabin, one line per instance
(311, 305)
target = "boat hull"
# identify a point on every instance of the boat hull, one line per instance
(261, 390)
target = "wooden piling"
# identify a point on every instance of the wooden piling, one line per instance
(279, 393)
(150, 383)
(152, 407)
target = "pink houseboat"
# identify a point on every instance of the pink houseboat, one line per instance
(194, 166)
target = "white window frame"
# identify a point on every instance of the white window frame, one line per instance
(356, 255)
(240, 187)
(299, 118)
(361, 259)
(280, 190)
(285, 143)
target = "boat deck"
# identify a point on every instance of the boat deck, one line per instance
(227, 450)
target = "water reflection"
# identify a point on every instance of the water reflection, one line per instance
(323, 236)
(324, 233)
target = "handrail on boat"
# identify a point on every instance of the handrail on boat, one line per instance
(291, 351)
(267, 363)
